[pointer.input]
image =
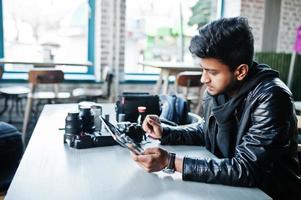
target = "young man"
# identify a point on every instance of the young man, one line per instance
(250, 122)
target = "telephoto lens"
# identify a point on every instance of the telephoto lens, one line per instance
(87, 120)
(73, 123)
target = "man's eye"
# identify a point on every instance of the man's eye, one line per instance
(212, 72)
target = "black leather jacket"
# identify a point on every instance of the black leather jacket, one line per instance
(265, 146)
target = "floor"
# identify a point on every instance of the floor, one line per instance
(17, 120)
(18, 114)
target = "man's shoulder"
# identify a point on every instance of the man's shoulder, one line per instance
(270, 87)
(272, 84)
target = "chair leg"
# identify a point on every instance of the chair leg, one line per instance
(5, 105)
(26, 117)
(18, 105)
(2, 195)
(12, 105)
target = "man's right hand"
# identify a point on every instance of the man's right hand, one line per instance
(152, 126)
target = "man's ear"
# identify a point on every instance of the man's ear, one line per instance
(241, 71)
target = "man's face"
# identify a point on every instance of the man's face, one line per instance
(217, 76)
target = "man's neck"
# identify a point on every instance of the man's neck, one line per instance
(234, 91)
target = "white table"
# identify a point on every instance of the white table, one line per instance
(168, 69)
(51, 170)
(43, 64)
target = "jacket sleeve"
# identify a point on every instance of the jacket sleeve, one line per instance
(183, 135)
(271, 120)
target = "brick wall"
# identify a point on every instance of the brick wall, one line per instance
(108, 28)
(290, 20)
(254, 11)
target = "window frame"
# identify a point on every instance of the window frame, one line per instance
(130, 76)
(72, 75)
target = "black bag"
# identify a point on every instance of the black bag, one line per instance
(128, 104)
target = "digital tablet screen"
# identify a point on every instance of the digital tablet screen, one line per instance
(122, 139)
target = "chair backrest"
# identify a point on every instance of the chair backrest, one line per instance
(189, 79)
(194, 118)
(45, 76)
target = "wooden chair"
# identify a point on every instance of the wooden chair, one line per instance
(188, 80)
(13, 96)
(2, 195)
(94, 94)
(39, 76)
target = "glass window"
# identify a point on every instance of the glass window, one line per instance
(47, 30)
(155, 30)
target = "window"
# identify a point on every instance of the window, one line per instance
(48, 30)
(159, 30)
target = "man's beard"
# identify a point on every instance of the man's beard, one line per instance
(233, 87)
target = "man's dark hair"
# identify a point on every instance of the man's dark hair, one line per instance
(229, 40)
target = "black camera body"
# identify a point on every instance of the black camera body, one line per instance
(88, 140)
(133, 130)
(80, 131)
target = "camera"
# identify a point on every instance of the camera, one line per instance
(133, 130)
(82, 132)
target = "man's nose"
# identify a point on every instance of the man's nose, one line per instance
(204, 78)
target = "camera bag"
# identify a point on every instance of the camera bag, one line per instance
(128, 104)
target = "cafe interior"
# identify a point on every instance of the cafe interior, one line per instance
(60, 59)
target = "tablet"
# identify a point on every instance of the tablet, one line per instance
(122, 138)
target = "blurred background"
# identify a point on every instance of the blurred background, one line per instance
(122, 36)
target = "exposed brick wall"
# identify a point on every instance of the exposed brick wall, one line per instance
(254, 11)
(106, 30)
(106, 26)
(290, 20)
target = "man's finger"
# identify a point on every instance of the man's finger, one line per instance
(152, 135)
(143, 158)
(153, 122)
(149, 128)
(142, 166)
(152, 150)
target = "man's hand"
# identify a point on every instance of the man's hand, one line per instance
(152, 160)
(152, 126)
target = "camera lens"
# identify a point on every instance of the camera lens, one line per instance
(87, 120)
(73, 124)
